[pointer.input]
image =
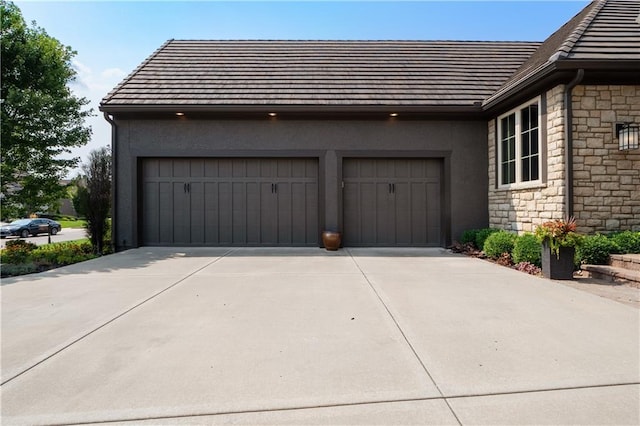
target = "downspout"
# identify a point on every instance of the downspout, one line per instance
(114, 144)
(568, 139)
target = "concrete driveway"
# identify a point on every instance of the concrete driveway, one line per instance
(306, 336)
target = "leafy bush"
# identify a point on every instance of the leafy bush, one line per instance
(481, 236)
(25, 258)
(469, 236)
(528, 249)
(626, 242)
(21, 269)
(498, 243)
(61, 254)
(16, 251)
(595, 249)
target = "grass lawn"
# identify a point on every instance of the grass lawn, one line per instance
(66, 224)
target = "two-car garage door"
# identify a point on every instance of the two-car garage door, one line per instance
(230, 201)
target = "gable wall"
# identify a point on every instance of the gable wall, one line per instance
(606, 180)
(522, 210)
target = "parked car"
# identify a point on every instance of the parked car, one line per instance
(25, 227)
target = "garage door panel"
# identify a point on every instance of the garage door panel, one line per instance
(384, 215)
(404, 225)
(268, 221)
(165, 209)
(165, 168)
(368, 203)
(253, 213)
(181, 230)
(239, 219)
(211, 208)
(197, 212)
(225, 209)
(197, 168)
(151, 220)
(284, 212)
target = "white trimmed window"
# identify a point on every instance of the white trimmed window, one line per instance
(519, 146)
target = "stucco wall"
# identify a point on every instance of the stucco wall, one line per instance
(522, 210)
(461, 143)
(606, 180)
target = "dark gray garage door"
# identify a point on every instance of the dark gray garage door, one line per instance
(392, 202)
(230, 201)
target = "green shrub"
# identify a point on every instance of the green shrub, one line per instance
(626, 242)
(498, 243)
(481, 236)
(469, 236)
(21, 269)
(595, 250)
(60, 254)
(16, 252)
(527, 248)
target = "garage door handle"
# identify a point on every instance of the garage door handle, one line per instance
(393, 188)
(275, 188)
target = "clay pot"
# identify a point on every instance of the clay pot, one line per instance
(331, 240)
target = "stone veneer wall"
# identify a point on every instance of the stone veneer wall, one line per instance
(522, 210)
(606, 180)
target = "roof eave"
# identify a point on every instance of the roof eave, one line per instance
(291, 109)
(558, 71)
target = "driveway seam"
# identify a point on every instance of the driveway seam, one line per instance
(404, 336)
(336, 405)
(116, 317)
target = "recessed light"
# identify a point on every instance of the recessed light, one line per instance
(179, 114)
(393, 114)
(272, 114)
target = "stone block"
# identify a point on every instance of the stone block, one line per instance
(595, 143)
(603, 104)
(610, 185)
(628, 90)
(618, 100)
(593, 160)
(593, 121)
(612, 224)
(608, 116)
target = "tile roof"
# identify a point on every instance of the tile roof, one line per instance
(233, 74)
(237, 75)
(605, 32)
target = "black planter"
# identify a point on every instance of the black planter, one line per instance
(557, 267)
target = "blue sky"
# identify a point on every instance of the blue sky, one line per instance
(113, 37)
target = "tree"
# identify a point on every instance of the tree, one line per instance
(96, 201)
(41, 118)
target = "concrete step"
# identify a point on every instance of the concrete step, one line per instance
(613, 274)
(625, 261)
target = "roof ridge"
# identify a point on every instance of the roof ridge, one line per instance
(566, 47)
(112, 93)
(359, 41)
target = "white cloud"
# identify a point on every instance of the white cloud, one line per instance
(94, 85)
(113, 73)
